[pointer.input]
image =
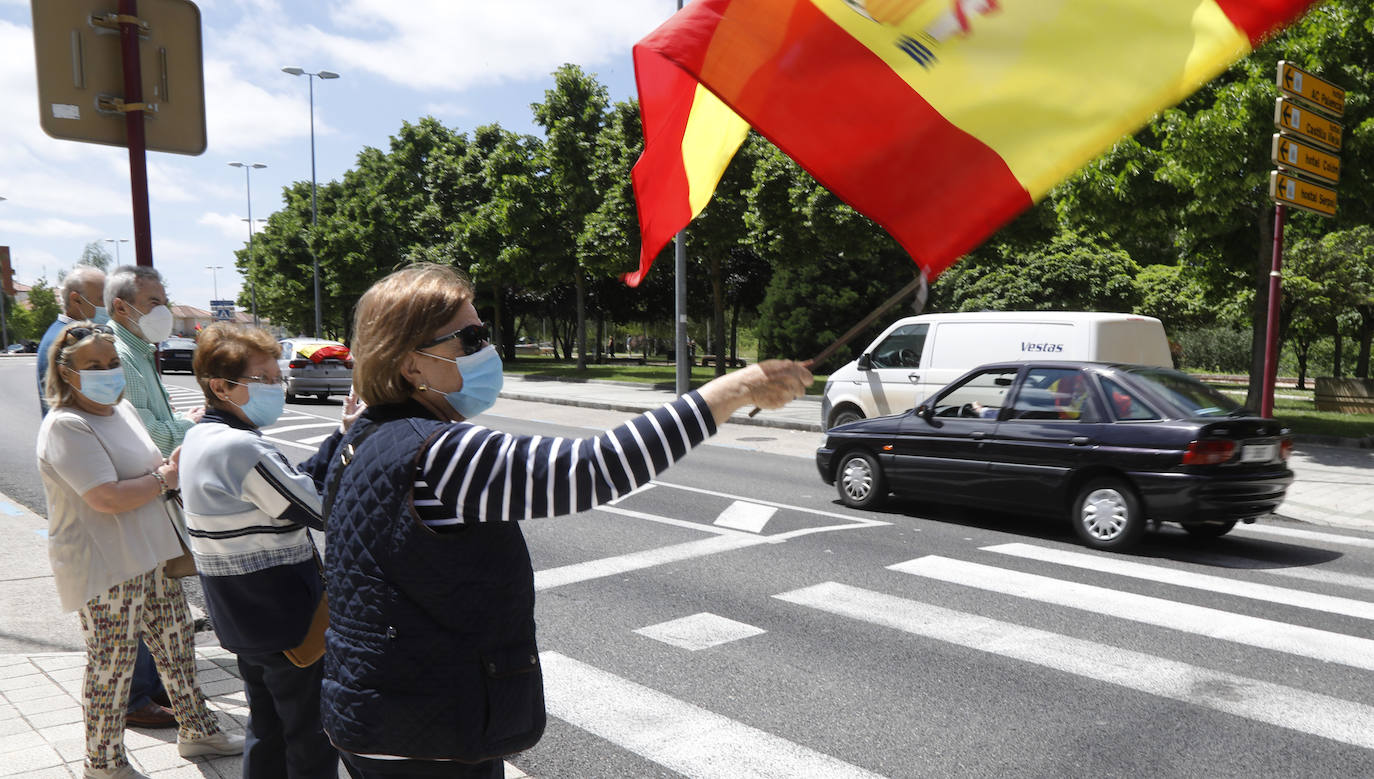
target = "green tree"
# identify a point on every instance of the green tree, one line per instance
(572, 115)
(1071, 273)
(43, 303)
(95, 254)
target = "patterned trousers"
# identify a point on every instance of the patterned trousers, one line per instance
(153, 606)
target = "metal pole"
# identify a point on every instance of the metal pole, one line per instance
(4, 323)
(683, 373)
(314, 216)
(1271, 346)
(252, 258)
(137, 141)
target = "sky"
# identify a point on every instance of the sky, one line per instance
(465, 62)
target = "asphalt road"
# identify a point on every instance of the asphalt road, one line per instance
(734, 620)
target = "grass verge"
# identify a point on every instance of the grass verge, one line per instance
(654, 373)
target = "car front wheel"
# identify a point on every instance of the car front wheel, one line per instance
(1107, 515)
(860, 481)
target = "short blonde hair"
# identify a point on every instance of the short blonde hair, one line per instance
(223, 350)
(393, 318)
(57, 393)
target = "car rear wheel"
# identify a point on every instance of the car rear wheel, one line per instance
(1210, 530)
(844, 415)
(860, 481)
(1107, 515)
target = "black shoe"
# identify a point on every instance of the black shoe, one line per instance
(150, 715)
(161, 699)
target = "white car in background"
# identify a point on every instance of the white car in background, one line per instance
(314, 366)
(917, 355)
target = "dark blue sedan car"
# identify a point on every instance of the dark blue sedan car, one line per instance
(1112, 447)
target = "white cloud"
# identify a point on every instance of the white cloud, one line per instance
(452, 46)
(50, 227)
(230, 226)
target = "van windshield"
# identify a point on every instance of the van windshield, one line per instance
(901, 348)
(1192, 396)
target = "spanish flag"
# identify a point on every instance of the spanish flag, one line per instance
(938, 119)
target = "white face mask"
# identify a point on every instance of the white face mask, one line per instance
(155, 325)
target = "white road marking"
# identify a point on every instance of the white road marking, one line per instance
(1286, 707)
(700, 631)
(743, 515)
(1199, 581)
(636, 561)
(285, 442)
(289, 428)
(1306, 535)
(675, 734)
(1213, 623)
(1307, 573)
(316, 440)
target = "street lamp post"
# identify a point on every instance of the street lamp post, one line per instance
(248, 168)
(214, 277)
(4, 321)
(314, 215)
(117, 242)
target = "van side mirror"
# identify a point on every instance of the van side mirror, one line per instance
(865, 362)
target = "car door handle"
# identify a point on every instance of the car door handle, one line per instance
(978, 435)
(913, 377)
(1080, 440)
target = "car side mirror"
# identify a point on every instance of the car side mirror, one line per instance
(925, 412)
(865, 362)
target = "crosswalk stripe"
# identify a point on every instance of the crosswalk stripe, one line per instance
(675, 734)
(634, 561)
(1287, 707)
(1200, 581)
(1305, 572)
(1213, 623)
(1306, 535)
(316, 440)
(288, 428)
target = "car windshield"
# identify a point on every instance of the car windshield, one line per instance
(1194, 397)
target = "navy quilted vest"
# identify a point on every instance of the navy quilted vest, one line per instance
(430, 651)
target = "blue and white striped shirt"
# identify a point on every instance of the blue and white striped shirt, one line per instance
(472, 473)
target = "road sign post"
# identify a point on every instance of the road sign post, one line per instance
(91, 66)
(1307, 143)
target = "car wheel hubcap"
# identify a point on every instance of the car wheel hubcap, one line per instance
(1105, 514)
(858, 479)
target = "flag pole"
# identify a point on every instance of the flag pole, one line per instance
(918, 286)
(683, 365)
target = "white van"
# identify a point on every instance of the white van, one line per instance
(918, 355)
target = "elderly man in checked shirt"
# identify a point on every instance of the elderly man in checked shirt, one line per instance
(137, 304)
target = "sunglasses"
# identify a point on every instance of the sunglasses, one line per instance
(83, 332)
(474, 338)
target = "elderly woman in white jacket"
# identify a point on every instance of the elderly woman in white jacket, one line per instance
(109, 534)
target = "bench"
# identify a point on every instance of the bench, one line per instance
(730, 362)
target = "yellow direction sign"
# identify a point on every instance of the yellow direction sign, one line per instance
(81, 73)
(1301, 84)
(1306, 159)
(1307, 123)
(1295, 192)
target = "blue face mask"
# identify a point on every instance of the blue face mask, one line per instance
(482, 380)
(102, 386)
(101, 316)
(265, 402)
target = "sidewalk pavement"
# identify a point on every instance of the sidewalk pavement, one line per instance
(41, 662)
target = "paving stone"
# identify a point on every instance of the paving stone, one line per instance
(28, 761)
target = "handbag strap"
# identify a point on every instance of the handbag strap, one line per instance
(347, 453)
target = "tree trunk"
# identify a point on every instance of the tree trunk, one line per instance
(734, 331)
(1301, 346)
(1366, 339)
(496, 321)
(600, 337)
(581, 321)
(1259, 311)
(1336, 358)
(718, 316)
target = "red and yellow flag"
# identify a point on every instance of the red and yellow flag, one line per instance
(938, 119)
